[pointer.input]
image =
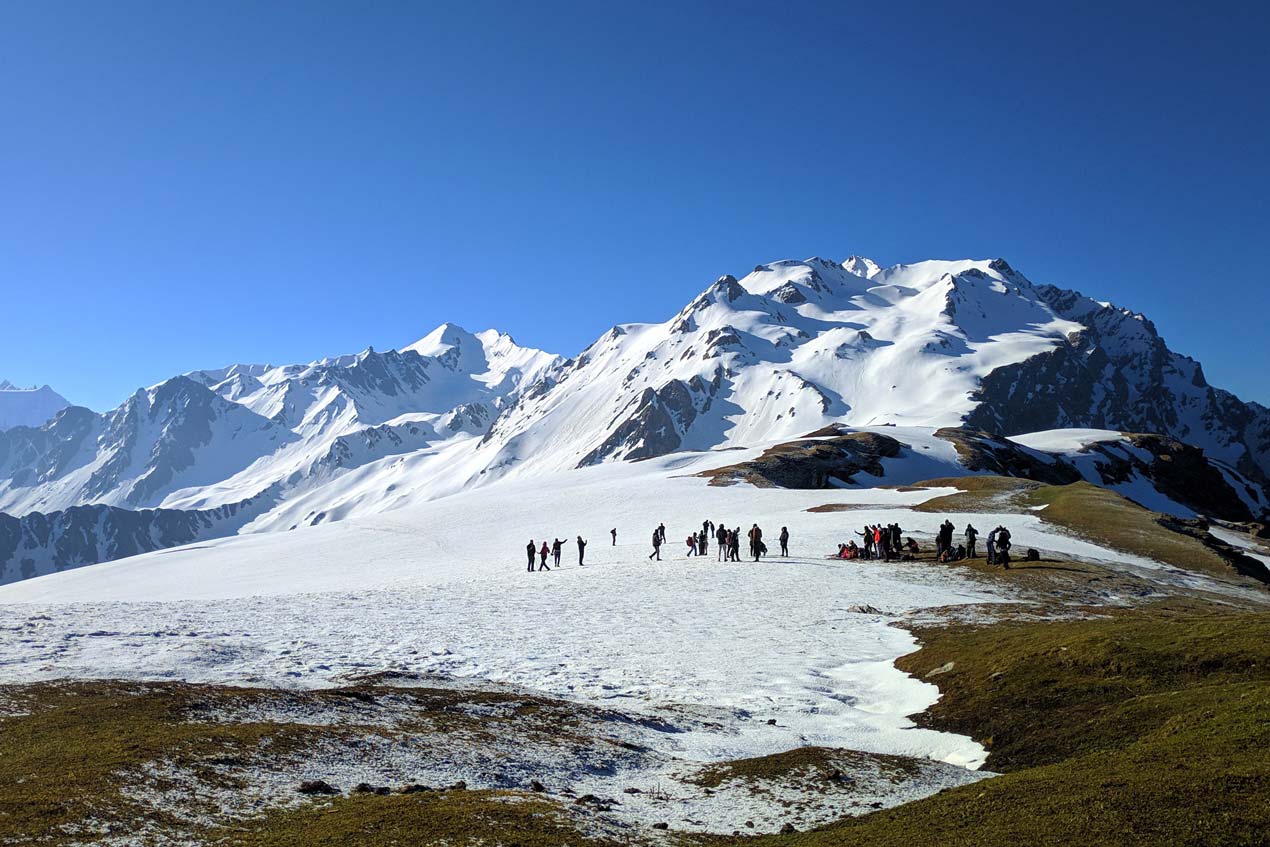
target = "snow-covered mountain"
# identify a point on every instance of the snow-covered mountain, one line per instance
(786, 350)
(28, 406)
(795, 346)
(211, 438)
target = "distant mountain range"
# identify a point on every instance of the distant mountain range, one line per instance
(787, 350)
(28, 406)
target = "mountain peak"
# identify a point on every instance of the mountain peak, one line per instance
(861, 266)
(28, 406)
(443, 339)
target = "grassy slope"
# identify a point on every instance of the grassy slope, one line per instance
(1085, 510)
(1144, 730)
(436, 818)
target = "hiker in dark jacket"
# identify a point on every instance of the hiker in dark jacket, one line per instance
(784, 539)
(866, 545)
(721, 536)
(945, 536)
(971, 535)
(734, 545)
(661, 531)
(556, 547)
(533, 551)
(542, 555)
(581, 550)
(1003, 547)
(656, 545)
(613, 532)
(703, 542)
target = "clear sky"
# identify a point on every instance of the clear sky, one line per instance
(192, 184)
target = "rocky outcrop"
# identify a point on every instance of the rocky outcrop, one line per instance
(981, 452)
(655, 428)
(812, 462)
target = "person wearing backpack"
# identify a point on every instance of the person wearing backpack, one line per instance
(691, 541)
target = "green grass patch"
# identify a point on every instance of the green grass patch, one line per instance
(976, 494)
(433, 818)
(1109, 519)
(813, 762)
(1150, 729)
(64, 764)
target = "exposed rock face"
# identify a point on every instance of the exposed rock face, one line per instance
(1183, 473)
(37, 544)
(1119, 374)
(812, 463)
(984, 453)
(1180, 472)
(655, 428)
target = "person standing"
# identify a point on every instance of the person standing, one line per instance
(992, 546)
(972, 535)
(784, 538)
(1003, 547)
(703, 542)
(734, 545)
(533, 551)
(581, 550)
(721, 536)
(656, 545)
(556, 547)
(756, 538)
(613, 532)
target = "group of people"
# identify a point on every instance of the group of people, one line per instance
(554, 550)
(727, 541)
(998, 546)
(877, 542)
(884, 542)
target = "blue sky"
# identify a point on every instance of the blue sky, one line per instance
(186, 185)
